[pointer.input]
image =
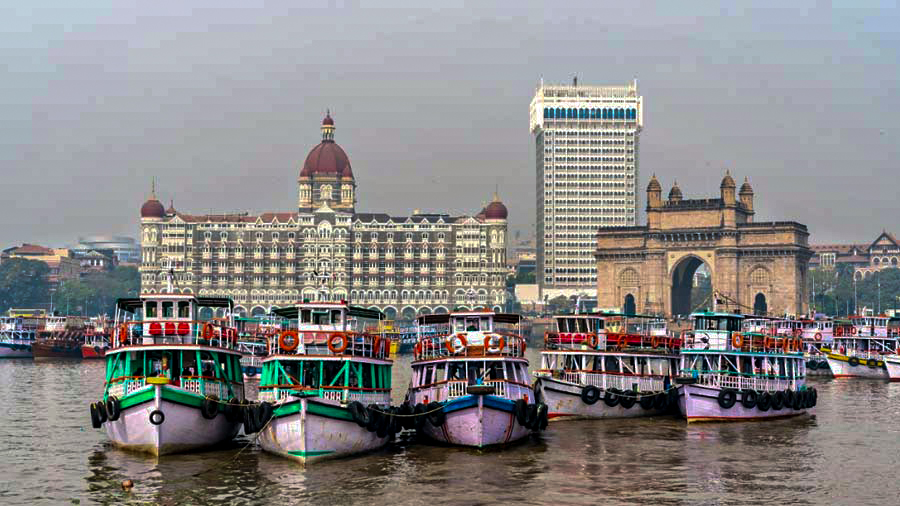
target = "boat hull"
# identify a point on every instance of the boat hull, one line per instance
(92, 352)
(564, 401)
(479, 421)
(699, 403)
(843, 369)
(183, 430)
(15, 350)
(306, 431)
(892, 365)
(57, 348)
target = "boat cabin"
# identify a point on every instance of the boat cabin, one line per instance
(713, 331)
(869, 326)
(171, 319)
(470, 333)
(321, 353)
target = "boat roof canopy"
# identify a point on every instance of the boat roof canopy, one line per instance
(445, 318)
(712, 314)
(132, 304)
(293, 312)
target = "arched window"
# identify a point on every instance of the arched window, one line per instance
(759, 277)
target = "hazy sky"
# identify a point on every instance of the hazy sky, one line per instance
(222, 103)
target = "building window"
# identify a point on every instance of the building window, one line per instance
(759, 277)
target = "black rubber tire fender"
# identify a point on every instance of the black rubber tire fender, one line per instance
(248, 412)
(610, 398)
(384, 423)
(749, 398)
(374, 417)
(262, 414)
(764, 402)
(853, 361)
(209, 408)
(406, 421)
(789, 398)
(627, 399)
(590, 395)
(543, 416)
(727, 398)
(419, 419)
(815, 397)
(520, 408)
(531, 419)
(872, 363)
(660, 401)
(358, 413)
(157, 417)
(436, 415)
(95, 416)
(233, 410)
(113, 408)
(778, 400)
(646, 401)
(538, 389)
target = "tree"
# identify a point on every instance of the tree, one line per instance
(23, 283)
(96, 293)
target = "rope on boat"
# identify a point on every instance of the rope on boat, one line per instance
(408, 416)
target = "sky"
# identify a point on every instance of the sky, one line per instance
(221, 101)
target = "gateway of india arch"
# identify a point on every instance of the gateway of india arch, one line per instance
(754, 267)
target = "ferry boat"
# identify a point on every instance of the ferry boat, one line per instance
(173, 383)
(730, 375)
(60, 337)
(96, 339)
(17, 335)
(471, 387)
(325, 388)
(589, 372)
(860, 348)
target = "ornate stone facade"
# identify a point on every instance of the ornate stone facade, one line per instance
(404, 266)
(754, 267)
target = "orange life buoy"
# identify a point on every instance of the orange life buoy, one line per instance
(654, 342)
(208, 331)
(839, 331)
(282, 340)
(123, 334)
(737, 340)
(798, 344)
(449, 343)
(335, 348)
(818, 336)
(769, 343)
(593, 341)
(501, 343)
(853, 331)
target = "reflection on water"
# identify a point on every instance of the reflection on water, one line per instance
(848, 453)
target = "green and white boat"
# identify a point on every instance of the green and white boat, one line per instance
(173, 383)
(325, 387)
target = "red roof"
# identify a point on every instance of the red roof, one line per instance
(327, 159)
(153, 209)
(33, 249)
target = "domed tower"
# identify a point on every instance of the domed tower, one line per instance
(153, 214)
(727, 189)
(326, 176)
(654, 193)
(675, 193)
(152, 210)
(746, 195)
(496, 210)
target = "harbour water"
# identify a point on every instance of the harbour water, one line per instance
(848, 453)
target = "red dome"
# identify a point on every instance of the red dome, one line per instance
(328, 120)
(495, 210)
(153, 209)
(327, 159)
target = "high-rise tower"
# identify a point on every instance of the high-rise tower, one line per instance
(586, 154)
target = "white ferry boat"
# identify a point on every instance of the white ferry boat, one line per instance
(860, 348)
(471, 387)
(17, 336)
(589, 371)
(173, 383)
(325, 387)
(730, 375)
(816, 334)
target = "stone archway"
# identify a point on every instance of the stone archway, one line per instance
(760, 307)
(684, 277)
(629, 307)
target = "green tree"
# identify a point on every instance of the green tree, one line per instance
(23, 283)
(96, 293)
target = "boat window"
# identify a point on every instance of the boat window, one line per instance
(426, 378)
(510, 372)
(611, 364)
(189, 363)
(472, 324)
(439, 373)
(335, 316)
(184, 309)
(332, 373)
(582, 325)
(495, 370)
(459, 325)
(563, 324)
(168, 309)
(475, 371)
(150, 309)
(456, 371)
(311, 374)
(485, 324)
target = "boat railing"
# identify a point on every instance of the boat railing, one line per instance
(431, 348)
(456, 388)
(166, 332)
(120, 387)
(344, 395)
(639, 342)
(607, 380)
(208, 386)
(293, 342)
(865, 354)
(737, 381)
(749, 342)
